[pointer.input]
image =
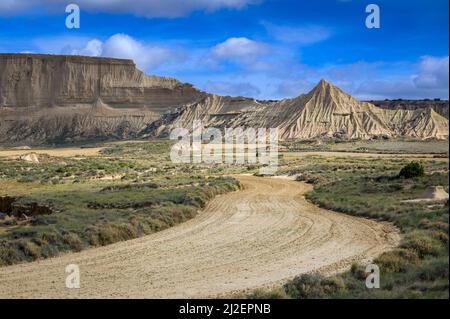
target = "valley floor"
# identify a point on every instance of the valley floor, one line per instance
(258, 237)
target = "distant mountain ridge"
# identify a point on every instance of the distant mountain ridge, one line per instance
(325, 112)
(439, 106)
(59, 99)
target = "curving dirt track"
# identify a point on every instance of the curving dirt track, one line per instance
(257, 237)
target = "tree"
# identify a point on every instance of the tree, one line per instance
(413, 169)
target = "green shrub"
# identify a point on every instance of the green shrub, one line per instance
(9, 255)
(314, 286)
(422, 243)
(413, 169)
(358, 271)
(276, 293)
(73, 241)
(433, 269)
(396, 260)
(30, 249)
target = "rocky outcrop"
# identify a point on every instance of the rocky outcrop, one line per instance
(325, 112)
(212, 110)
(46, 98)
(439, 106)
(59, 99)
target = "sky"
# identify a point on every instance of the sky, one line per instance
(266, 49)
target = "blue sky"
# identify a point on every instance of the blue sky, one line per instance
(259, 48)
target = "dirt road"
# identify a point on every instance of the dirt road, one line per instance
(260, 236)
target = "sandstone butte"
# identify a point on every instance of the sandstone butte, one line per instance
(57, 99)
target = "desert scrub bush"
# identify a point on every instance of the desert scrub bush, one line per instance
(396, 261)
(313, 286)
(431, 269)
(275, 293)
(422, 244)
(378, 193)
(30, 249)
(9, 254)
(413, 169)
(111, 233)
(74, 241)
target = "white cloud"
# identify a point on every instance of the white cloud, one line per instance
(59, 44)
(239, 49)
(433, 73)
(430, 81)
(302, 35)
(144, 8)
(93, 48)
(145, 56)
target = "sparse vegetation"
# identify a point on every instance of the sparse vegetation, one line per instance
(99, 200)
(413, 169)
(371, 188)
(132, 189)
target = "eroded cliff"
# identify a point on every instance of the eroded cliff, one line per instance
(58, 99)
(47, 98)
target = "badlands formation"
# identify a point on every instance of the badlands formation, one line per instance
(55, 99)
(45, 98)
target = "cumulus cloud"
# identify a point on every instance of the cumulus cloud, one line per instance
(239, 49)
(60, 44)
(428, 78)
(123, 46)
(431, 80)
(144, 55)
(144, 8)
(93, 48)
(302, 35)
(232, 88)
(433, 73)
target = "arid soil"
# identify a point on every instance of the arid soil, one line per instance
(330, 154)
(61, 152)
(95, 151)
(257, 237)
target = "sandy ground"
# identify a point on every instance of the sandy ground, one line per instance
(295, 155)
(62, 152)
(257, 237)
(95, 151)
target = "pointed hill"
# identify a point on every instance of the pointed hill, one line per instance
(325, 112)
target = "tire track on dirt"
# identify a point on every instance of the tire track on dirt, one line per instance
(257, 237)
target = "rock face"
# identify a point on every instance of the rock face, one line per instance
(325, 112)
(439, 106)
(57, 99)
(62, 98)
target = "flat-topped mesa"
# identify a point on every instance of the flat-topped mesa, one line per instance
(38, 80)
(55, 98)
(58, 99)
(71, 58)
